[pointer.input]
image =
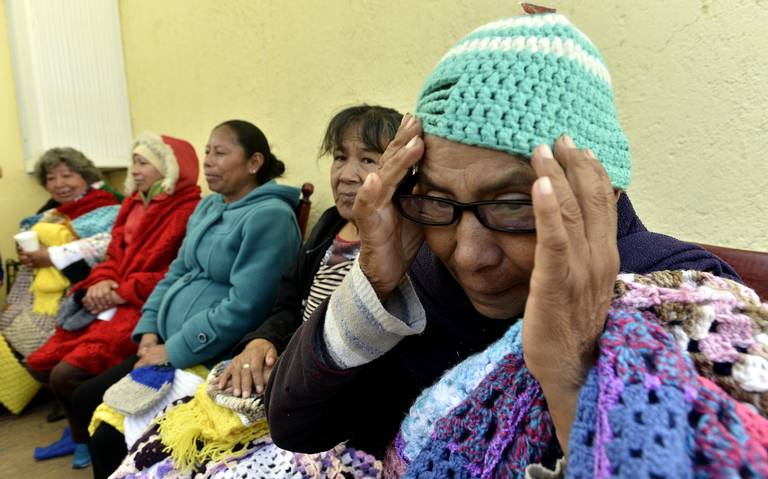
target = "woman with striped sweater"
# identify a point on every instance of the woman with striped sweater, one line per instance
(356, 137)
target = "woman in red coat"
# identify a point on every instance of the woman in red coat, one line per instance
(94, 330)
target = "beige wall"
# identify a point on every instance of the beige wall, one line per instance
(692, 91)
(691, 82)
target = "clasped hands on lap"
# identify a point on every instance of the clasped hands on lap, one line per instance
(101, 296)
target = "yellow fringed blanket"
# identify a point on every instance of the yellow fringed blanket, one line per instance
(49, 284)
(219, 430)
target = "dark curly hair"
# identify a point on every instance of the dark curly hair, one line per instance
(75, 161)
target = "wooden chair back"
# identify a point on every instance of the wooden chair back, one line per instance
(752, 266)
(305, 204)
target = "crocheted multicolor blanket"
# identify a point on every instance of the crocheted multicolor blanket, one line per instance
(217, 435)
(679, 390)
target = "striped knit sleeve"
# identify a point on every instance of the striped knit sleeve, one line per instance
(358, 328)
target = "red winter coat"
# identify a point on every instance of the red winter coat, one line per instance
(136, 267)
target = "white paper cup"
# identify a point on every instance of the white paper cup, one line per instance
(27, 241)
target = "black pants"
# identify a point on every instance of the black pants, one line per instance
(107, 445)
(107, 450)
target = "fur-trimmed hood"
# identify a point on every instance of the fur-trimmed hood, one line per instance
(179, 160)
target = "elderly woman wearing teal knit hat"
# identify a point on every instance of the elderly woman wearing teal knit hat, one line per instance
(491, 240)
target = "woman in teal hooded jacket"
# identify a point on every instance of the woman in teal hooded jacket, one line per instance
(238, 243)
(224, 280)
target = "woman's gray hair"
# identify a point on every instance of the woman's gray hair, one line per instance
(75, 161)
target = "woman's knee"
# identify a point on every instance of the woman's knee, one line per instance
(87, 396)
(43, 377)
(64, 378)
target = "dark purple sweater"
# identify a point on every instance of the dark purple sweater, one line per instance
(312, 405)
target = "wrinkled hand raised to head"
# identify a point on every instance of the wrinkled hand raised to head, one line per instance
(576, 263)
(575, 267)
(389, 242)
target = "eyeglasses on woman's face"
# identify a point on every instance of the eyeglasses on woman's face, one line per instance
(508, 216)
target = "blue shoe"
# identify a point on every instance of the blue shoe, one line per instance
(63, 447)
(82, 457)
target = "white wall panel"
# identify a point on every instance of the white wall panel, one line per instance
(70, 78)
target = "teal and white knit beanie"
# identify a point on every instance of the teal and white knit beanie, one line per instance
(516, 83)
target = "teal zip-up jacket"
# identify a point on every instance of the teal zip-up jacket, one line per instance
(224, 280)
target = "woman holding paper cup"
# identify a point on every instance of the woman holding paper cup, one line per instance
(76, 218)
(76, 189)
(27, 241)
(57, 245)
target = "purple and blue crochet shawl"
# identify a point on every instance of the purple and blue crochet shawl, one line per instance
(679, 390)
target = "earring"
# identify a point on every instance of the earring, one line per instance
(253, 172)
